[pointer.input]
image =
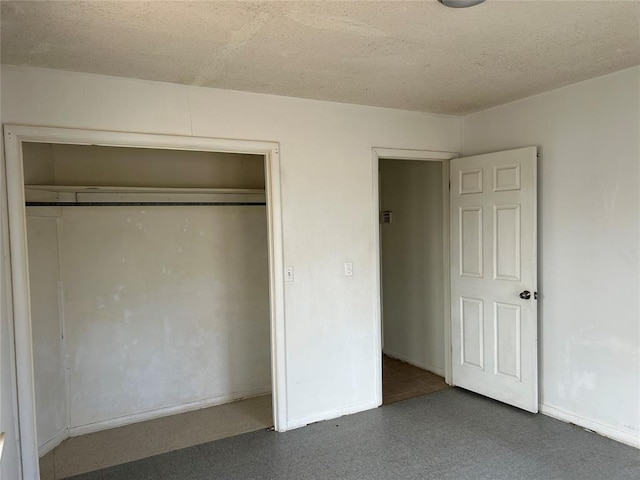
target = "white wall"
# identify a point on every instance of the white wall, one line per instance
(163, 306)
(328, 212)
(412, 265)
(589, 242)
(46, 328)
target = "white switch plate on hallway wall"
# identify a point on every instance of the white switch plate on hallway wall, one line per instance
(348, 269)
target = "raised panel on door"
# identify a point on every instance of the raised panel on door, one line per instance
(507, 342)
(493, 234)
(471, 245)
(506, 177)
(472, 332)
(470, 181)
(506, 242)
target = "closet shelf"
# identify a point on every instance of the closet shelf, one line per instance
(109, 195)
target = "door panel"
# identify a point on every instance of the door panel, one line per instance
(471, 244)
(506, 242)
(493, 241)
(472, 332)
(509, 340)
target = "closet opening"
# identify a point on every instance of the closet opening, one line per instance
(150, 301)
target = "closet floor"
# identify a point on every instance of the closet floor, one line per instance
(401, 381)
(119, 445)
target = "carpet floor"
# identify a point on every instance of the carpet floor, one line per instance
(451, 434)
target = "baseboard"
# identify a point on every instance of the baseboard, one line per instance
(53, 442)
(599, 428)
(165, 411)
(424, 366)
(330, 415)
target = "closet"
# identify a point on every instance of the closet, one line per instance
(149, 283)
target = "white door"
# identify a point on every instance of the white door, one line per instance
(494, 315)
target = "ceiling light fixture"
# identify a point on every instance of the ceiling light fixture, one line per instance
(460, 3)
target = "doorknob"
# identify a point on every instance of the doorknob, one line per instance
(526, 295)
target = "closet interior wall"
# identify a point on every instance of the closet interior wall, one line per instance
(140, 311)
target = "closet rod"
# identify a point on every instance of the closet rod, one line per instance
(141, 204)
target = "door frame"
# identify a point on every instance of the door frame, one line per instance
(426, 156)
(14, 136)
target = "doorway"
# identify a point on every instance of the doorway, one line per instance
(496, 256)
(414, 268)
(20, 139)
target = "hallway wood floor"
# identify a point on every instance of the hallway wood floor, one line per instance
(401, 381)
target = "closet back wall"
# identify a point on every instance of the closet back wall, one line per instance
(163, 306)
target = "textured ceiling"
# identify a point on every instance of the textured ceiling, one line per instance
(416, 55)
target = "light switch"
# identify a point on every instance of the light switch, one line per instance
(348, 269)
(288, 274)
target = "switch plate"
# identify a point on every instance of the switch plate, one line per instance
(288, 274)
(348, 269)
